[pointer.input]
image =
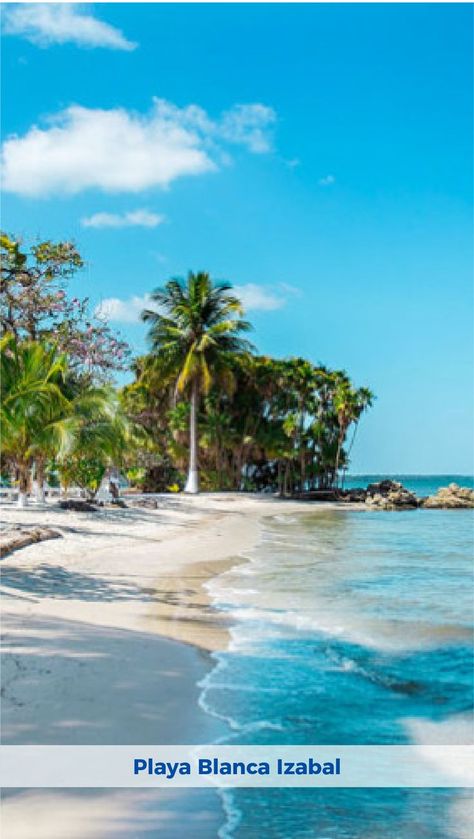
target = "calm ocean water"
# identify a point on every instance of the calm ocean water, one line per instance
(353, 628)
(420, 484)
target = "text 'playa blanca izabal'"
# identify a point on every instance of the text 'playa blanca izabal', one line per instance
(216, 767)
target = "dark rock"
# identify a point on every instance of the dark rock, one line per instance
(147, 503)
(383, 487)
(390, 495)
(78, 505)
(119, 502)
(357, 495)
(317, 495)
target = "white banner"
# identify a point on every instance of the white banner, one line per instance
(249, 766)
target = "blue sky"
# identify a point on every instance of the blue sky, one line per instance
(325, 168)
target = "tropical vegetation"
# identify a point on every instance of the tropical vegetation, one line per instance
(47, 421)
(35, 306)
(203, 408)
(195, 330)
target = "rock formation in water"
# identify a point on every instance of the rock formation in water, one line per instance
(390, 495)
(450, 497)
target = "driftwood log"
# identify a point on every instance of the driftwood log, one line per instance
(13, 540)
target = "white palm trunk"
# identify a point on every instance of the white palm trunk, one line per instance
(23, 486)
(38, 484)
(192, 483)
(40, 493)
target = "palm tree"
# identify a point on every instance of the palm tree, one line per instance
(349, 404)
(364, 398)
(44, 417)
(32, 377)
(194, 330)
(98, 435)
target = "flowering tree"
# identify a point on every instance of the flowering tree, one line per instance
(35, 305)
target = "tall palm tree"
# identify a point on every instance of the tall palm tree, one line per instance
(364, 399)
(349, 404)
(194, 330)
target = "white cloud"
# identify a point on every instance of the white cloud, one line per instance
(123, 151)
(292, 290)
(123, 311)
(135, 218)
(328, 180)
(248, 125)
(254, 298)
(259, 298)
(54, 23)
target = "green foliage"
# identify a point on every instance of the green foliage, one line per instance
(200, 397)
(135, 476)
(195, 331)
(83, 472)
(33, 403)
(283, 425)
(46, 416)
(35, 306)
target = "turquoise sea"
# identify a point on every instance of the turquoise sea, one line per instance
(353, 628)
(420, 484)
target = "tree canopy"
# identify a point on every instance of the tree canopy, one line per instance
(280, 427)
(36, 305)
(195, 330)
(203, 404)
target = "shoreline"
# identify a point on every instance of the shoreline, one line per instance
(107, 633)
(138, 569)
(132, 576)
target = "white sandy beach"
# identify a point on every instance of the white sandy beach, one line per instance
(85, 660)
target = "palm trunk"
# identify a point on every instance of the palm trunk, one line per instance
(338, 456)
(285, 478)
(40, 478)
(192, 483)
(302, 469)
(349, 452)
(24, 485)
(238, 466)
(279, 479)
(313, 465)
(219, 464)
